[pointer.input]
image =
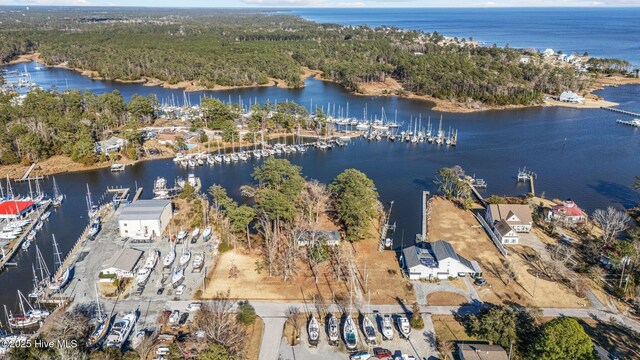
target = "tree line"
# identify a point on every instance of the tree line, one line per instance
(241, 49)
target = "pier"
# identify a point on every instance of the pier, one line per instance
(426, 215)
(621, 111)
(384, 241)
(26, 176)
(525, 175)
(16, 244)
(634, 122)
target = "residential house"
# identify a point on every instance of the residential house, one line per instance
(568, 213)
(437, 260)
(518, 216)
(571, 97)
(525, 60)
(548, 52)
(505, 233)
(329, 237)
(112, 144)
(467, 351)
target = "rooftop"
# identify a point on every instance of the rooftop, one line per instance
(14, 207)
(481, 352)
(124, 260)
(144, 210)
(503, 227)
(514, 214)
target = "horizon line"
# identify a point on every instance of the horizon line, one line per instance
(322, 7)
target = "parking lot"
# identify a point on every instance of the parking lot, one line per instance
(94, 255)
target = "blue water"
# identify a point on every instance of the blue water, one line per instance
(602, 32)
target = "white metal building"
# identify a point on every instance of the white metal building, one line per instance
(145, 219)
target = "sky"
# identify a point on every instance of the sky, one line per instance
(332, 3)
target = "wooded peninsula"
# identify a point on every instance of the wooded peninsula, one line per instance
(214, 48)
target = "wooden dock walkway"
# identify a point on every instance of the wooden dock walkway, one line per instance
(633, 123)
(138, 194)
(621, 111)
(26, 176)
(17, 243)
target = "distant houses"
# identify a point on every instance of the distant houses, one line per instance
(112, 144)
(437, 260)
(568, 213)
(571, 97)
(507, 220)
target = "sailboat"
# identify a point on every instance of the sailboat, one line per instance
(313, 328)
(206, 234)
(102, 324)
(58, 197)
(62, 280)
(170, 257)
(39, 285)
(185, 257)
(368, 329)
(350, 333)
(386, 323)
(29, 317)
(177, 277)
(332, 329)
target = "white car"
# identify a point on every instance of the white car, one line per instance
(180, 289)
(194, 306)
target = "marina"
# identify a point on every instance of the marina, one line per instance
(487, 142)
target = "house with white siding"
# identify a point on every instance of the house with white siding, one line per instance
(436, 260)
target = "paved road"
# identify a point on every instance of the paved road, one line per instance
(273, 311)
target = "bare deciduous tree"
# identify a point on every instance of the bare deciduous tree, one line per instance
(611, 221)
(220, 324)
(315, 198)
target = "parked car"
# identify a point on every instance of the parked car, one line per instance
(382, 353)
(360, 355)
(162, 350)
(183, 318)
(480, 282)
(194, 306)
(180, 289)
(160, 291)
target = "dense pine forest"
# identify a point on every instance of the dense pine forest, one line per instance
(235, 48)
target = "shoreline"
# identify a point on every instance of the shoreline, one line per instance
(390, 87)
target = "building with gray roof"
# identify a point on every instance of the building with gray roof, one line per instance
(436, 260)
(145, 219)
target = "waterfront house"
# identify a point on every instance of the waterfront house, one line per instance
(505, 233)
(518, 216)
(112, 144)
(121, 264)
(15, 209)
(436, 260)
(329, 237)
(571, 97)
(525, 60)
(568, 213)
(467, 351)
(145, 219)
(548, 52)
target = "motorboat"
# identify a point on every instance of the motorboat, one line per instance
(386, 323)
(143, 275)
(121, 330)
(152, 259)
(207, 232)
(25, 244)
(198, 261)
(313, 329)
(403, 326)
(182, 234)
(195, 233)
(32, 235)
(45, 215)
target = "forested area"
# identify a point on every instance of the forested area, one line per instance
(239, 49)
(50, 123)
